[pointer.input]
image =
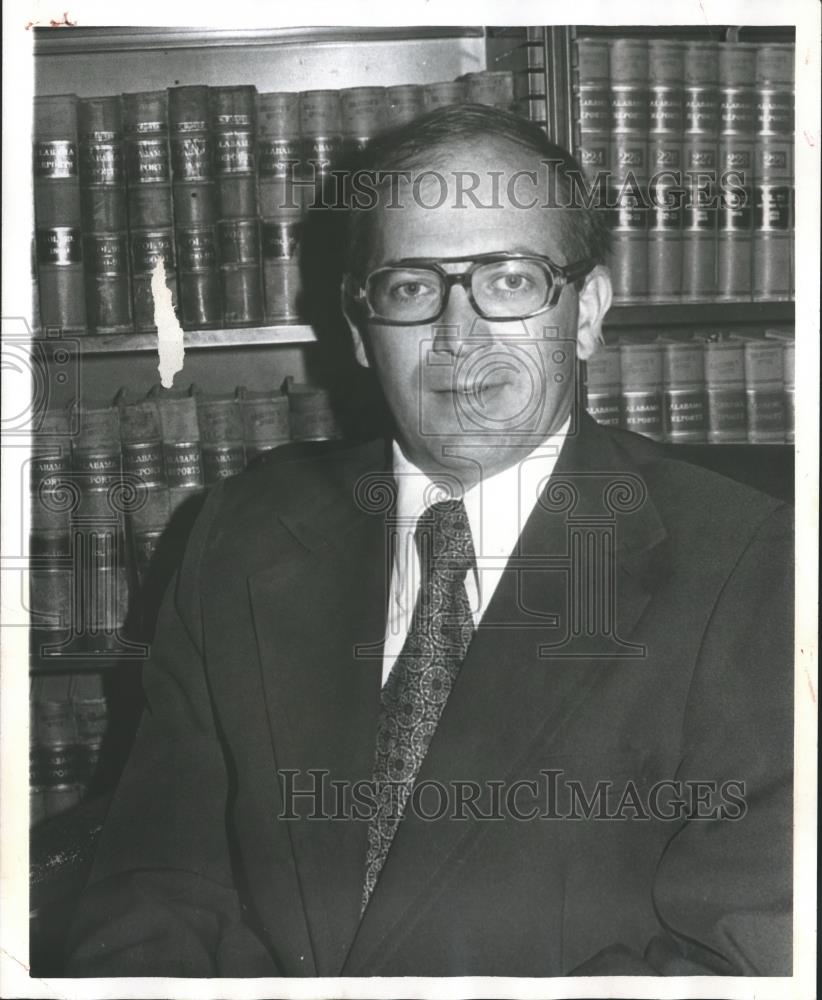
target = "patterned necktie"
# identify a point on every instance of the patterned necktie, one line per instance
(420, 681)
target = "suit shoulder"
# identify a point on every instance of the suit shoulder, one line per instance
(297, 481)
(706, 507)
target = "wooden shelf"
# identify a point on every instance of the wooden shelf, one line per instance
(700, 314)
(705, 314)
(129, 343)
(78, 41)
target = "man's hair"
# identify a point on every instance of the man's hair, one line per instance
(426, 142)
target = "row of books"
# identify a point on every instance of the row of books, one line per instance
(213, 181)
(69, 725)
(716, 388)
(691, 144)
(108, 478)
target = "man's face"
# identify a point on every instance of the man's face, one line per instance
(468, 395)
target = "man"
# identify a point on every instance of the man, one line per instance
(512, 697)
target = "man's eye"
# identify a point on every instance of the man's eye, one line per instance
(511, 283)
(410, 291)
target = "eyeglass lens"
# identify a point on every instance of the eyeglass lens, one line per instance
(501, 289)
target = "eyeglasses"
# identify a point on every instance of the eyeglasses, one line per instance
(499, 286)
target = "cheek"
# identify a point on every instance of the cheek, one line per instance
(396, 357)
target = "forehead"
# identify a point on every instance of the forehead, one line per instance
(477, 197)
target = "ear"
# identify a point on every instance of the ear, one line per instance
(360, 352)
(594, 303)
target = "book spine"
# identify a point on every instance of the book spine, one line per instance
(727, 414)
(789, 364)
(99, 532)
(773, 198)
(104, 215)
(143, 458)
(57, 771)
(665, 139)
(363, 113)
(736, 162)
(233, 121)
(602, 387)
(280, 204)
(683, 398)
(37, 800)
(492, 87)
(221, 437)
(641, 367)
(194, 196)
(322, 143)
(444, 94)
(91, 720)
(148, 171)
(629, 168)
(701, 164)
(182, 454)
(405, 103)
(765, 391)
(265, 421)
(593, 100)
(57, 214)
(50, 572)
(311, 414)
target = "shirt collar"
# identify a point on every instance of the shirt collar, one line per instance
(497, 507)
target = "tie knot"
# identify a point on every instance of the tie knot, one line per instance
(443, 538)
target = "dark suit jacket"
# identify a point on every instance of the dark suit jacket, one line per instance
(268, 658)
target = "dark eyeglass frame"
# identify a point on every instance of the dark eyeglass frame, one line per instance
(561, 275)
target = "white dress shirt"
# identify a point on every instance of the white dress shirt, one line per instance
(497, 507)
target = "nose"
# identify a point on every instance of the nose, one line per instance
(458, 323)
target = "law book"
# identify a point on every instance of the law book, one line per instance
(104, 215)
(774, 174)
(91, 720)
(700, 165)
(788, 342)
(36, 324)
(683, 396)
(641, 370)
(266, 421)
(737, 96)
(405, 103)
(144, 462)
(764, 389)
(363, 114)
(57, 214)
(182, 453)
(52, 498)
(221, 435)
(148, 174)
(444, 93)
(666, 73)
(494, 88)
(322, 143)
(603, 383)
(593, 113)
(280, 204)
(628, 60)
(98, 530)
(311, 413)
(727, 410)
(234, 129)
(37, 801)
(194, 198)
(57, 773)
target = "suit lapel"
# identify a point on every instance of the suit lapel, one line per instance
(320, 622)
(550, 629)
